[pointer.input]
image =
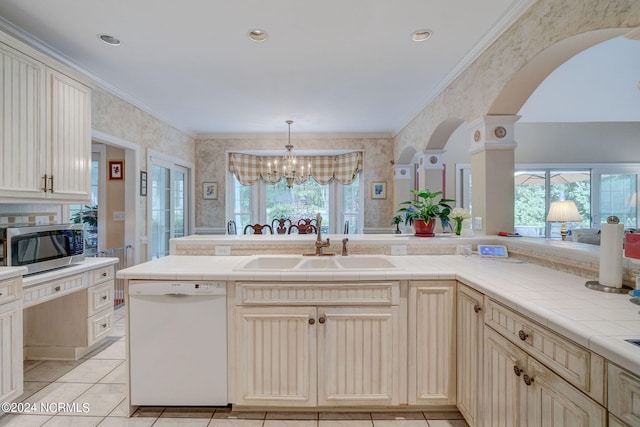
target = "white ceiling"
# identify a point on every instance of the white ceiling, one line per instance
(331, 66)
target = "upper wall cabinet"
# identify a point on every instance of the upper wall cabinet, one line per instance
(45, 141)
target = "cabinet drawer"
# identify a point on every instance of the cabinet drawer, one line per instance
(624, 395)
(577, 365)
(102, 274)
(40, 293)
(99, 326)
(373, 293)
(10, 289)
(100, 297)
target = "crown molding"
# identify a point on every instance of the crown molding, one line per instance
(52, 52)
(504, 23)
(297, 136)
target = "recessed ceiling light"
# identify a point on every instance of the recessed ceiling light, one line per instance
(257, 35)
(421, 35)
(110, 40)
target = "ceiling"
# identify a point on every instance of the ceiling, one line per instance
(332, 66)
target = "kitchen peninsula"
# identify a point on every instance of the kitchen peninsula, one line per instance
(405, 331)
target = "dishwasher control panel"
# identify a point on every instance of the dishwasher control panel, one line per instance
(180, 287)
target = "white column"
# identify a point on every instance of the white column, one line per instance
(431, 170)
(492, 167)
(401, 185)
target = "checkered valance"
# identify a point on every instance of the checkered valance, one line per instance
(249, 168)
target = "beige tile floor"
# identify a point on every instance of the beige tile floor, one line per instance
(98, 381)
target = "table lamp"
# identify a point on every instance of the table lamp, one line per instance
(563, 211)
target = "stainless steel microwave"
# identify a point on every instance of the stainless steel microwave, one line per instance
(41, 248)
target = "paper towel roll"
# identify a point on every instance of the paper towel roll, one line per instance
(611, 255)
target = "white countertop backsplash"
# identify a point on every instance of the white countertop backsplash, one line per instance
(558, 300)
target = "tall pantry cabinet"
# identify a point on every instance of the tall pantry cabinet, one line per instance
(45, 141)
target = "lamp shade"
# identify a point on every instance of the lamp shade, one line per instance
(563, 211)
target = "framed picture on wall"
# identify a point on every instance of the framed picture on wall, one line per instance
(116, 169)
(378, 190)
(210, 190)
(143, 183)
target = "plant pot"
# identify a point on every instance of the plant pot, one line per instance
(424, 229)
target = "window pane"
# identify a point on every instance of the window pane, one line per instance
(241, 204)
(298, 202)
(618, 197)
(160, 211)
(575, 186)
(529, 203)
(179, 203)
(88, 214)
(351, 205)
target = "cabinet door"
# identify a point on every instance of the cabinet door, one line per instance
(553, 402)
(22, 134)
(275, 356)
(503, 387)
(70, 138)
(432, 343)
(470, 332)
(10, 351)
(357, 356)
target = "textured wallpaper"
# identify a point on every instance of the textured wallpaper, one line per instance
(211, 166)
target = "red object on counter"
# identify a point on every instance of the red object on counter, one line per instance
(632, 245)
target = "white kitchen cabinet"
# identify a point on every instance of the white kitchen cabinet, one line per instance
(519, 390)
(470, 324)
(504, 402)
(275, 361)
(310, 344)
(432, 342)
(624, 395)
(553, 402)
(22, 139)
(357, 356)
(69, 138)
(46, 136)
(68, 317)
(11, 367)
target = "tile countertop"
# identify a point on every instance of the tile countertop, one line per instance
(87, 264)
(558, 300)
(11, 272)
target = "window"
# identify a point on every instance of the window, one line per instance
(534, 190)
(598, 190)
(169, 204)
(261, 203)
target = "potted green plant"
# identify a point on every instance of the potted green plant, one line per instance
(424, 209)
(396, 220)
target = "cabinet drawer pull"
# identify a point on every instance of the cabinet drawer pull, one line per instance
(522, 335)
(104, 325)
(517, 370)
(104, 297)
(322, 319)
(44, 179)
(527, 379)
(477, 308)
(57, 288)
(312, 321)
(51, 180)
(104, 274)
(1, 294)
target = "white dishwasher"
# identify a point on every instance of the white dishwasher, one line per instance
(177, 343)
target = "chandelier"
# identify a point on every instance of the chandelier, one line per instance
(290, 171)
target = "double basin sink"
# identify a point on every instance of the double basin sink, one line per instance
(318, 263)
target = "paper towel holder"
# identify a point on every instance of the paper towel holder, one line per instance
(597, 286)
